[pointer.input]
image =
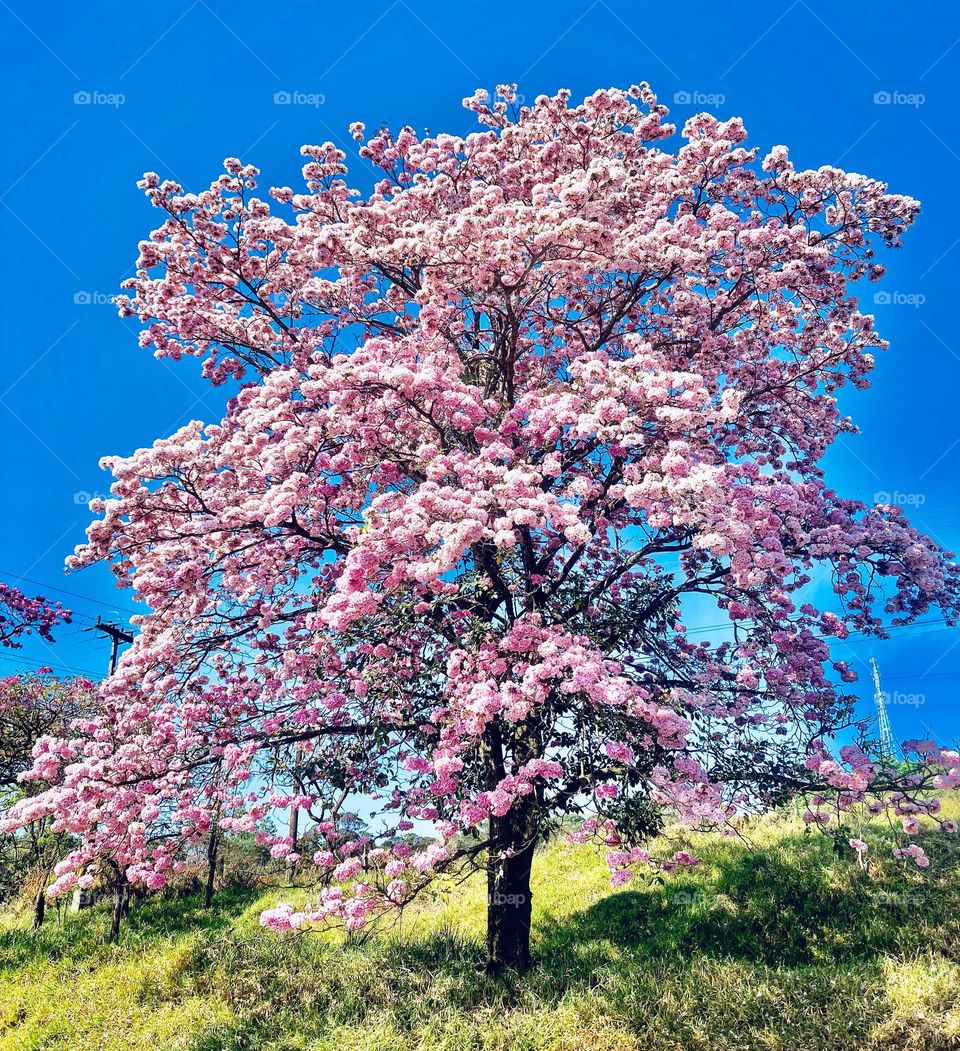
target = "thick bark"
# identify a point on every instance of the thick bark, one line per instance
(509, 899)
(35, 831)
(120, 905)
(39, 906)
(115, 917)
(40, 901)
(512, 840)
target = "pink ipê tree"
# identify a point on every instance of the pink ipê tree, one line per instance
(34, 706)
(497, 428)
(21, 615)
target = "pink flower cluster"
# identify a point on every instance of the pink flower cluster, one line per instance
(912, 851)
(20, 615)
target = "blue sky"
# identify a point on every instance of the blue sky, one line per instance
(93, 97)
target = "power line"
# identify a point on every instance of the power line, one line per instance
(64, 591)
(49, 664)
(896, 628)
(925, 675)
(890, 627)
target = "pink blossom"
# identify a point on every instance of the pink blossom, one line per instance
(619, 751)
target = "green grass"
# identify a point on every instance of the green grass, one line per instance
(777, 944)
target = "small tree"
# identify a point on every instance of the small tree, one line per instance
(33, 707)
(498, 427)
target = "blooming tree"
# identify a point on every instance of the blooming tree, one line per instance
(496, 429)
(20, 615)
(32, 707)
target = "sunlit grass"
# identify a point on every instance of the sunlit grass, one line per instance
(777, 944)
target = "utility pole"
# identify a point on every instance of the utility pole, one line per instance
(121, 901)
(116, 634)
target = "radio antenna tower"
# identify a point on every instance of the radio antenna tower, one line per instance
(886, 733)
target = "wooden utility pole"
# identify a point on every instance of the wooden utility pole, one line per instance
(116, 635)
(121, 902)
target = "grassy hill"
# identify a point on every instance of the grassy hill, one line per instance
(776, 944)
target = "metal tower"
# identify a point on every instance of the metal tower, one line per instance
(887, 747)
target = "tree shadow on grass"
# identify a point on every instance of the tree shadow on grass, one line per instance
(787, 905)
(787, 919)
(82, 936)
(786, 941)
(612, 962)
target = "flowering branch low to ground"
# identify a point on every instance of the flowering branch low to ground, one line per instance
(495, 426)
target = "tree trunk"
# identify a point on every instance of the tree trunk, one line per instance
(211, 868)
(35, 831)
(39, 905)
(119, 906)
(293, 826)
(509, 900)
